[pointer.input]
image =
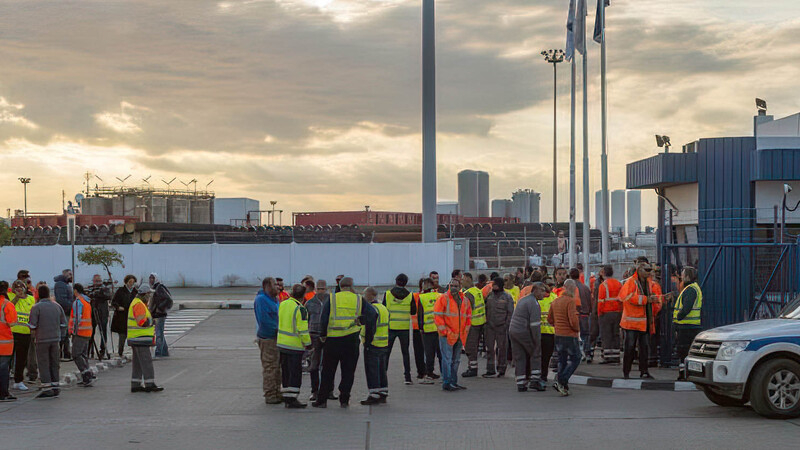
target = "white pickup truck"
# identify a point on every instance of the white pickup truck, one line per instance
(756, 362)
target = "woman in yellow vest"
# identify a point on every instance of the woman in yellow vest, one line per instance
(427, 325)
(686, 316)
(142, 336)
(293, 340)
(376, 352)
(23, 302)
(548, 334)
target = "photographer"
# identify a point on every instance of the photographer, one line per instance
(160, 305)
(100, 294)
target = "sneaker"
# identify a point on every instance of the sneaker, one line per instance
(320, 403)
(8, 398)
(490, 374)
(312, 397)
(522, 388)
(460, 387)
(448, 388)
(408, 382)
(435, 376)
(469, 373)
(420, 376)
(332, 396)
(153, 388)
(561, 389)
(426, 380)
(47, 394)
(344, 403)
(537, 385)
(646, 376)
(19, 386)
(501, 374)
(293, 403)
(371, 401)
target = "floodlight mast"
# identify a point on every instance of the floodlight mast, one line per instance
(554, 56)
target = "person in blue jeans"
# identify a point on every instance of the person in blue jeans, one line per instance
(452, 314)
(563, 315)
(159, 307)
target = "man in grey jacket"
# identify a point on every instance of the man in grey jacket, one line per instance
(62, 291)
(525, 333)
(499, 308)
(49, 324)
(314, 308)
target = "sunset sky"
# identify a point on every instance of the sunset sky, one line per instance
(316, 103)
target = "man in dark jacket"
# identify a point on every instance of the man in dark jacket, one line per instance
(159, 305)
(499, 308)
(314, 307)
(62, 290)
(100, 295)
(121, 302)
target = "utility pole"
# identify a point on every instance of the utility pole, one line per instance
(554, 57)
(586, 241)
(604, 139)
(428, 121)
(25, 182)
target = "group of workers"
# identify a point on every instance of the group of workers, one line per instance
(535, 321)
(40, 328)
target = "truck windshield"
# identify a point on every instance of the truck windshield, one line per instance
(792, 309)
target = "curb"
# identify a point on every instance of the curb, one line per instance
(631, 384)
(226, 304)
(71, 378)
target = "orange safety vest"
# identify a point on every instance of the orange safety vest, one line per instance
(85, 319)
(414, 322)
(451, 321)
(486, 289)
(282, 295)
(526, 291)
(634, 305)
(8, 315)
(608, 297)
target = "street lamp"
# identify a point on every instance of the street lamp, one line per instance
(554, 57)
(272, 214)
(25, 182)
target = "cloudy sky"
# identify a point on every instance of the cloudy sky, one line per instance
(316, 103)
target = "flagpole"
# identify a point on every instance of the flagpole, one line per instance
(572, 228)
(604, 133)
(586, 243)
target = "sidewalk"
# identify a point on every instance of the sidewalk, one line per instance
(610, 376)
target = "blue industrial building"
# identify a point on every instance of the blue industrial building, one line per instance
(719, 206)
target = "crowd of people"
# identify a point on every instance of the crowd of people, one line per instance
(41, 327)
(529, 319)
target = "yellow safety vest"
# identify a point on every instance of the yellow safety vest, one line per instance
(23, 308)
(427, 301)
(545, 304)
(479, 310)
(381, 338)
(399, 311)
(345, 309)
(293, 326)
(693, 318)
(514, 292)
(140, 334)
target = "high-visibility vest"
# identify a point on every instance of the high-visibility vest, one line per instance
(479, 310)
(23, 308)
(345, 309)
(414, 322)
(514, 293)
(399, 311)
(381, 338)
(140, 334)
(544, 305)
(84, 321)
(608, 297)
(427, 301)
(693, 318)
(292, 326)
(8, 315)
(634, 305)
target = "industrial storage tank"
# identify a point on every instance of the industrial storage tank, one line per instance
(501, 208)
(158, 209)
(178, 210)
(473, 193)
(536, 199)
(200, 211)
(525, 206)
(124, 205)
(97, 206)
(634, 208)
(618, 211)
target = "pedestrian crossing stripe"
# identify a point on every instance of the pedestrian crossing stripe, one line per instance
(181, 322)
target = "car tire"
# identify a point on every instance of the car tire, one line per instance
(721, 400)
(775, 389)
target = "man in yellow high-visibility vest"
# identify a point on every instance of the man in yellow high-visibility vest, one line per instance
(376, 354)
(293, 340)
(401, 305)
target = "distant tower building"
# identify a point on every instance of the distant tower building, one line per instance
(473, 193)
(525, 205)
(634, 207)
(501, 208)
(598, 210)
(618, 211)
(447, 208)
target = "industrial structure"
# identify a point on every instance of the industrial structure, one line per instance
(633, 208)
(618, 211)
(473, 193)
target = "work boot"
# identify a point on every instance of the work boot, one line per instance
(434, 376)
(293, 403)
(383, 397)
(8, 398)
(313, 397)
(537, 385)
(320, 403)
(459, 387)
(273, 401)
(420, 376)
(469, 373)
(344, 403)
(426, 380)
(50, 393)
(153, 388)
(408, 381)
(501, 373)
(332, 396)
(489, 374)
(522, 388)
(371, 401)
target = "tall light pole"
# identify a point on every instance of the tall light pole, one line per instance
(606, 243)
(585, 231)
(428, 121)
(25, 182)
(273, 203)
(554, 57)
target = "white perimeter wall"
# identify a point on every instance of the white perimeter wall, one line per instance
(203, 265)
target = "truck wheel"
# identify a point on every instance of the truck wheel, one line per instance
(775, 389)
(722, 400)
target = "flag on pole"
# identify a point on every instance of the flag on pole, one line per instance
(570, 34)
(579, 29)
(598, 26)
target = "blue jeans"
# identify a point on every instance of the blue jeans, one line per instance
(5, 367)
(161, 341)
(569, 357)
(451, 358)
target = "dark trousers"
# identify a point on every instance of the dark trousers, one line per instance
(5, 367)
(33, 366)
(291, 374)
(548, 344)
(80, 352)
(47, 357)
(496, 339)
(403, 336)
(585, 333)
(338, 351)
(632, 338)
(609, 333)
(122, 338)
(419, 352)
(142, 366)
(65, 348)
(21, 344)
(316, 358)
(685, 336)
(100, 323)
(375, 361)
(432, 351)
(471, 347)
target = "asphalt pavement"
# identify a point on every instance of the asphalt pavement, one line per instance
(213, 400)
